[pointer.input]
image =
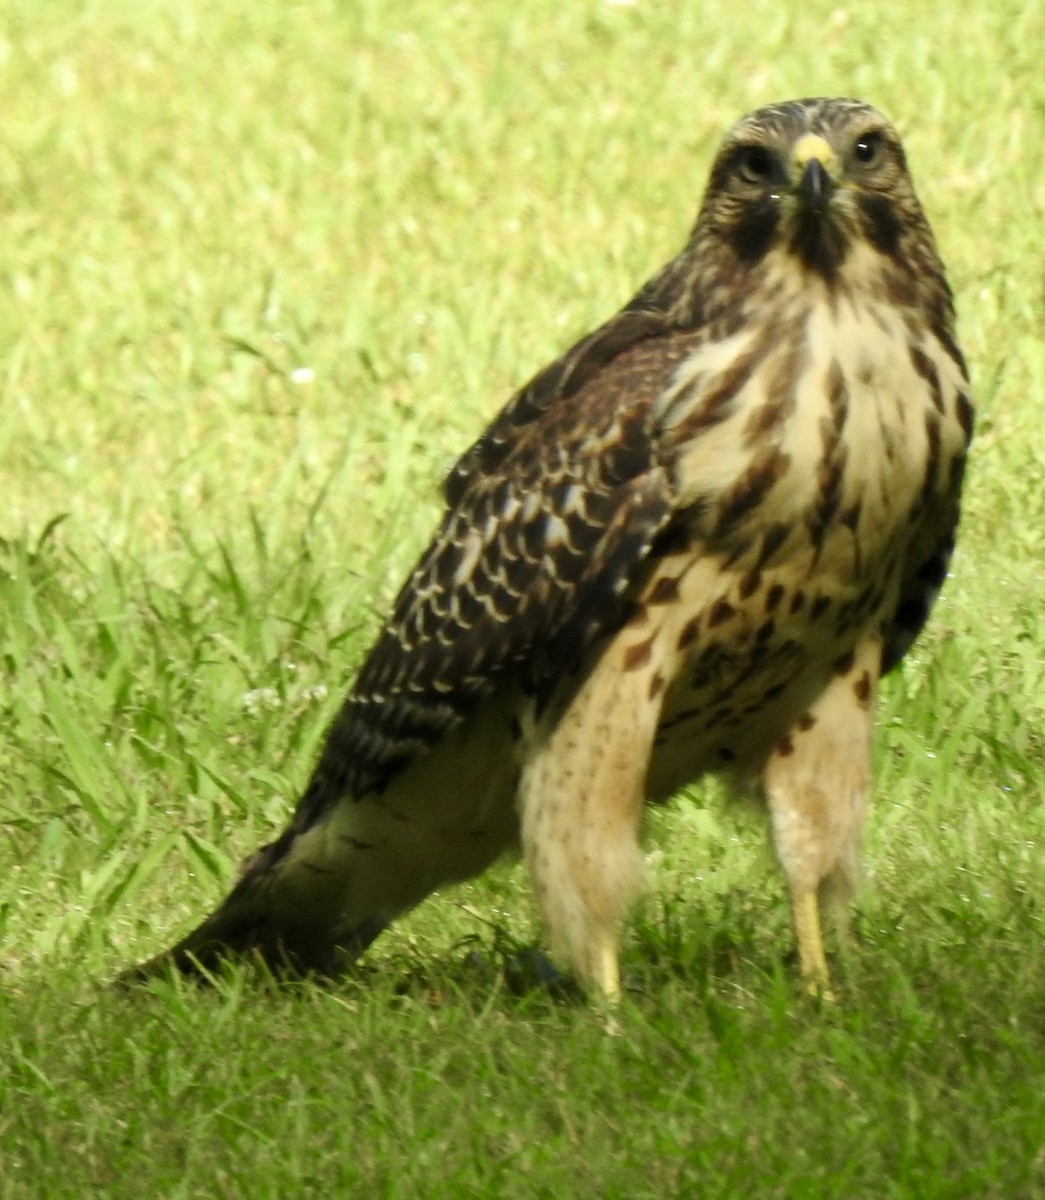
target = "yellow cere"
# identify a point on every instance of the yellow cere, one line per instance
(810, 146)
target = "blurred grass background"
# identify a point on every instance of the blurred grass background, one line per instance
(267, 268)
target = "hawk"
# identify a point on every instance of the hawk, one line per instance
(693, 543)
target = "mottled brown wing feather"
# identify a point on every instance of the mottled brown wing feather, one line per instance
(556, 383)
(663, 307)
(533, 560)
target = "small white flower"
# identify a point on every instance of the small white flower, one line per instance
(303, 376)
(258, 699)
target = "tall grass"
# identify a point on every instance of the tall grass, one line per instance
(267, 268)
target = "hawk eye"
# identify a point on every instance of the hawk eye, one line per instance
(754, 164)
(869, 148)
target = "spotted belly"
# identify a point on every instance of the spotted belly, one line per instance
(737, 656)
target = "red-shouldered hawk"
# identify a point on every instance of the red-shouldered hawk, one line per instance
(691, 544)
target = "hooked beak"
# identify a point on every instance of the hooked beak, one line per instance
(815, 186)
(813, 165)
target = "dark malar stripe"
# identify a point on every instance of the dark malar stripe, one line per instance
(881, 223)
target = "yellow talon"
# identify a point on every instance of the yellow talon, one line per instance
(811, 961)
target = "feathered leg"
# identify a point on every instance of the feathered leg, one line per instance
(816, 782)
(581, 796)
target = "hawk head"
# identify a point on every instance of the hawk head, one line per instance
(813, 178)
(803, 194)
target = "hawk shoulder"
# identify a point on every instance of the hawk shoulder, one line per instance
(550, 517)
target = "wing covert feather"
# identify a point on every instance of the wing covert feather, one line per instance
(533, 559)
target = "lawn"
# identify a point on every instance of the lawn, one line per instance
(268, 267)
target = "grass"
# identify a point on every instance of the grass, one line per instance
(267, 268)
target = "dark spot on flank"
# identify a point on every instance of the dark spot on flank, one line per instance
(656, 685)
(963, 411)
(721, 611)
(805, 722)
(932, 458)
(798, 601)
(664, 590)
(785, 747)
(750, 584)
(774, 596)
(638, 655)
(946, 339)
(675, 539)
(726, 755)
(862, 688)
(923, 364)
(843, 664)
(820, 605)
(957, 472)
(765, 631)
(772, 540)
(688, 633)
